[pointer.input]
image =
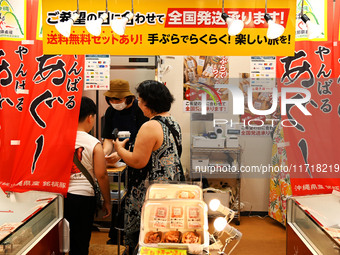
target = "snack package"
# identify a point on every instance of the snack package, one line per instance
(177, 217)
(160, 218)
(194, 217)
(186, 194)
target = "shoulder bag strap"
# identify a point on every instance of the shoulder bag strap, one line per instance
(82, 168)
(174, 133)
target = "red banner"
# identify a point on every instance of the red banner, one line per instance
(313, 144)
(39, 107)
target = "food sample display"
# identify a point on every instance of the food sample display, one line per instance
(153, 237)
(191, 237)
(172, 237)
(174, 216)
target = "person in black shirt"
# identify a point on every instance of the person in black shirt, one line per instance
(124, 114)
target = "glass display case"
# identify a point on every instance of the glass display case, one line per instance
(313, 224)
(31, 223)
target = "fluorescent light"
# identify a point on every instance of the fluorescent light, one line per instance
(274, 30)
(118, 25)
(94, 27)
(65, 27)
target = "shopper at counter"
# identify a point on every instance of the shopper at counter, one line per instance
(80, 203)
(123, 113)
(156, 155)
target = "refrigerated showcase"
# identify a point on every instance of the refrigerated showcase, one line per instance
(32, 223)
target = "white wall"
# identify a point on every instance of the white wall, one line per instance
(256, 150)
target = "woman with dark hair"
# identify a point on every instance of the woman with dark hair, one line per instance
(156, 155)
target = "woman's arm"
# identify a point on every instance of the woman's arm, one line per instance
(149, 138)
(100, 172)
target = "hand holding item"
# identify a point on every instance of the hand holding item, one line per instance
(112, 159)
(120, 145)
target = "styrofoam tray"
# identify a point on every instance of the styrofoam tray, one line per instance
(175, 215)
(174, 191)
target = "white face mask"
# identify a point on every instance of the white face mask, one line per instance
(119, 107)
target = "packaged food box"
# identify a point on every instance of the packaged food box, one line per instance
(174, 191)
(175, 223)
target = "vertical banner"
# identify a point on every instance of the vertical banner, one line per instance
(312, 139)
(39, 107)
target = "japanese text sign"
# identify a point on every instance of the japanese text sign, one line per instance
(170, 28)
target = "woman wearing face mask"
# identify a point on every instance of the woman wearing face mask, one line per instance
(124, 114)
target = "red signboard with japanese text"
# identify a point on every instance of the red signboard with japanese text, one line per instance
(171, 28)
(312, 141)
(39, 106)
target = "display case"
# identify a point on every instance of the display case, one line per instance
(313, 224)
(32, 223)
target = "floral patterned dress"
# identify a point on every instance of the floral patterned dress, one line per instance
(164, 166)
(280, 186)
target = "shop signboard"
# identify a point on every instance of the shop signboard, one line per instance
(171, 27)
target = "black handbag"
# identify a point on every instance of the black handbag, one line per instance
(97, 193)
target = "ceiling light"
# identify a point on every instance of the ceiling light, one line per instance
(65, 27)
(235, 26)
(274, 30)
(94, 27)
(118, 25)
(313, 30)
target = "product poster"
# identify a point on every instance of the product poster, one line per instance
(97, 72)
(173, 27)
(205, 83)
(317, 12)
(261, 80)
(12, 20)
